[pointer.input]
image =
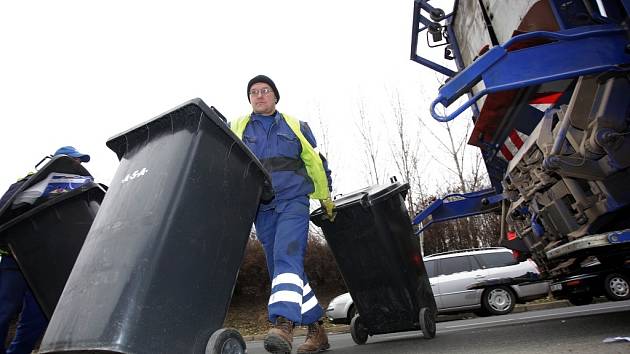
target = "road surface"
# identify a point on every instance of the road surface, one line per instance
(564, 330)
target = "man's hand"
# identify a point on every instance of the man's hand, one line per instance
(329, 207)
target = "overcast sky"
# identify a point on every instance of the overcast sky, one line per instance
(78, 72)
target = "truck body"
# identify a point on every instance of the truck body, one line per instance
(548, 83)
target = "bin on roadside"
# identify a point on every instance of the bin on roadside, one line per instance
(379, 258)
(45, 238)
(158, 267)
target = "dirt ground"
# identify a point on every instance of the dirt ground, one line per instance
(249, 315)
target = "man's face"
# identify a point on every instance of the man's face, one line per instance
(262, 98)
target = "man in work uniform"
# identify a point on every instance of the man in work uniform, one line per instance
(285, 146)
(15, 294)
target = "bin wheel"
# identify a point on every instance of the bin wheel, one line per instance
(358, 331)
(427, 323)
(226, 341)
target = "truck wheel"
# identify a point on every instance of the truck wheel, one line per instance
(616, 287)
(358, 331)
(498, 300)
(226, 341)
(580, 300)
(427, 323)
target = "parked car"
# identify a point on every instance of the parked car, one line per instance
(594, 279)
(489, 281)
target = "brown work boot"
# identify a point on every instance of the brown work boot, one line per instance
(280, 338)
(316, 339)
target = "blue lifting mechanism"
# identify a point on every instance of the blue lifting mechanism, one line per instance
(568, 53)
(462, 205)
(572, 52)
(591, 50)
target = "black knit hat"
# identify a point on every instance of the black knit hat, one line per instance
(265, 79)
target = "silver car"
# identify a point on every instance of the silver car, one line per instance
(488, 281)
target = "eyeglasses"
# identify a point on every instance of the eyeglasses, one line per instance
(264, 91)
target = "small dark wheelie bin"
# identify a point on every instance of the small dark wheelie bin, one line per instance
(45, 237)
(158, 267)
(379, 258)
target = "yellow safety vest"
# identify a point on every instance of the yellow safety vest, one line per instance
(312, 161)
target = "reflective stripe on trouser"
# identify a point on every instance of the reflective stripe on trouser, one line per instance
(283, 232)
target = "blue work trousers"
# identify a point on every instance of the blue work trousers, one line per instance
(283, 232)
(15, 295)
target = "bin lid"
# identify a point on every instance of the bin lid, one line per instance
(365, 197)
(61, 164)
(369, 195)
(51, 202)
(191, 111)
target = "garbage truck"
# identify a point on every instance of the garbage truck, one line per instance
(547, 84)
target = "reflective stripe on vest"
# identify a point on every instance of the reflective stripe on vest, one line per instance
(310, 157)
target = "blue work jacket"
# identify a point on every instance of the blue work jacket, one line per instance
(269, 137)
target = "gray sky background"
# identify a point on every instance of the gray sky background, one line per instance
(78, 72)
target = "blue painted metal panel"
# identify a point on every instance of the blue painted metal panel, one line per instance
(619, 237)
(468, 204)
(590, 50)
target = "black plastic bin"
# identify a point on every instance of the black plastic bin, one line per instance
(159, 264)
(379, 257)
(45, 238)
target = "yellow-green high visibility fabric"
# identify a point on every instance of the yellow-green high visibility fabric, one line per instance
(312, 161)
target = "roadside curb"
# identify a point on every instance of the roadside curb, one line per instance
(342, 329)
(517, 309)
(542, 306)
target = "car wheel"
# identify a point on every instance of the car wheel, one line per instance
(358, 331)
(616, 287)
(498, 300)
(427, 323)
(226, 341)
(580, 300)
(351, 312)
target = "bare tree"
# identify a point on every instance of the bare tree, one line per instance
(455, 148)
(323, 141)
(370, 144)
(466, 166)
(323, 146)
(455, 145)
(405, 151)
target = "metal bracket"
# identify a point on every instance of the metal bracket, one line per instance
(434, 28)
(588, 242)
(467, 204)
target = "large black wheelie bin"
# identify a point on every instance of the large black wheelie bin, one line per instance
(158, 267)
(45, 237)
(379, 258)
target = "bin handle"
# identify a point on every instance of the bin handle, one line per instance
(404, 186)
(365, 202)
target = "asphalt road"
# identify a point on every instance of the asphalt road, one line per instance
(562, 330)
